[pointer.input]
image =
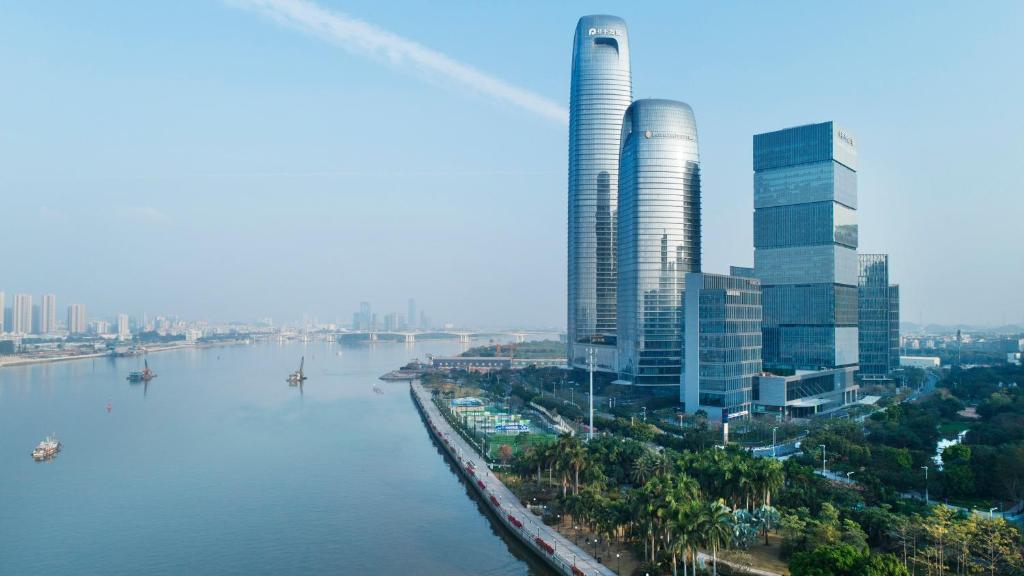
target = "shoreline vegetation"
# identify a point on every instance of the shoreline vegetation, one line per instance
(656, 490)
(515, 515)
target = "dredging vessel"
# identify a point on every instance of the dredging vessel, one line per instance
(46, 449)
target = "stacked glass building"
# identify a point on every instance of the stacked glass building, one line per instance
(600, 93)
(877, 317)
(805, 246)
(721, 344)
(658, 238)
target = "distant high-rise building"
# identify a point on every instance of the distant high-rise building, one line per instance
(411, 318)
(124, 332)
(48, 314)
(76, 319)
(658, 237)
(805, 246)
(101, 327)
(600, 92)
(877, 311)
(3, 314)
(21, 314)
(721, 343)
(364, 319)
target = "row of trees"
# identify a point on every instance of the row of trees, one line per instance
(668, 504)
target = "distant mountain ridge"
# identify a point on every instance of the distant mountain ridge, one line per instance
(912, 327)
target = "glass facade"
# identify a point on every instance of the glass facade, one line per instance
(600, 93)
(878, 317)
(805, 246)
(658, 235)
(894, 326)
(722, 344)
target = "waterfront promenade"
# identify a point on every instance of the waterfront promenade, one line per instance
(558, 551)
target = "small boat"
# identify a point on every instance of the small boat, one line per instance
(296, 378)
(47, 449)
(144, 375)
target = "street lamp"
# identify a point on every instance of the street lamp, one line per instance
(848, 479)
(925, 485)
(774, 429)
(991, 510)
(822, 446)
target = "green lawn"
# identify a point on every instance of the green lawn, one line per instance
(950, 429)
(516, 441)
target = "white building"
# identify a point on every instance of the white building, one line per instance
(48, 314)
(21, 314)
(920, 361)
(76, 319)
(123, 331)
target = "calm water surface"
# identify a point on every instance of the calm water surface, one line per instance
(217, 466)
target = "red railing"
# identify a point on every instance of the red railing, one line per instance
(515, 521)
(544, 545)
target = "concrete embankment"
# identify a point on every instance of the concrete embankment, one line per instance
(558, 551)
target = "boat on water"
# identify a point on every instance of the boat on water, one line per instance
(144, 375)
(46, 449)
(296, 378)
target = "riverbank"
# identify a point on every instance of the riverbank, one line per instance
(556, 550)
(21, 361)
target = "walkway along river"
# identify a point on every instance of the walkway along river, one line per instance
(559, 552)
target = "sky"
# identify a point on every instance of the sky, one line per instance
(234, 160)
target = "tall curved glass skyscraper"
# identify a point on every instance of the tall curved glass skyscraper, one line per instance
(658, 237)
(601, 91)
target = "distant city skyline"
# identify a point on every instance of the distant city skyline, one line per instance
(272, 173)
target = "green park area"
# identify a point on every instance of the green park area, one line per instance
(654, 490)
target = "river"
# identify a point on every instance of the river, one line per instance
(217, 466)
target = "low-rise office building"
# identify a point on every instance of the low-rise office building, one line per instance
(721, 344)
(806, 393)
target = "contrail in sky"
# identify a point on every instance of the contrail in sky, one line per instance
(363, 38)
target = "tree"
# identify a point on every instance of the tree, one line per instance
(845, 560)
(643, 469)
(826, 560)
(766, 518)
(716, 526)
(505, 453)
(687, 531)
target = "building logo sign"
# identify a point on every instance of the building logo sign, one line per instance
(673, 135)
(845, 138)
(605, 32)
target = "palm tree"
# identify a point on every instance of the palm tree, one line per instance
(772, 478)
(576, 457)
(560, 458)
(643, 469)
(716, 528)
(687, 523)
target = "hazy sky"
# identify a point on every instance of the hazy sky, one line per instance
(233, 160)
